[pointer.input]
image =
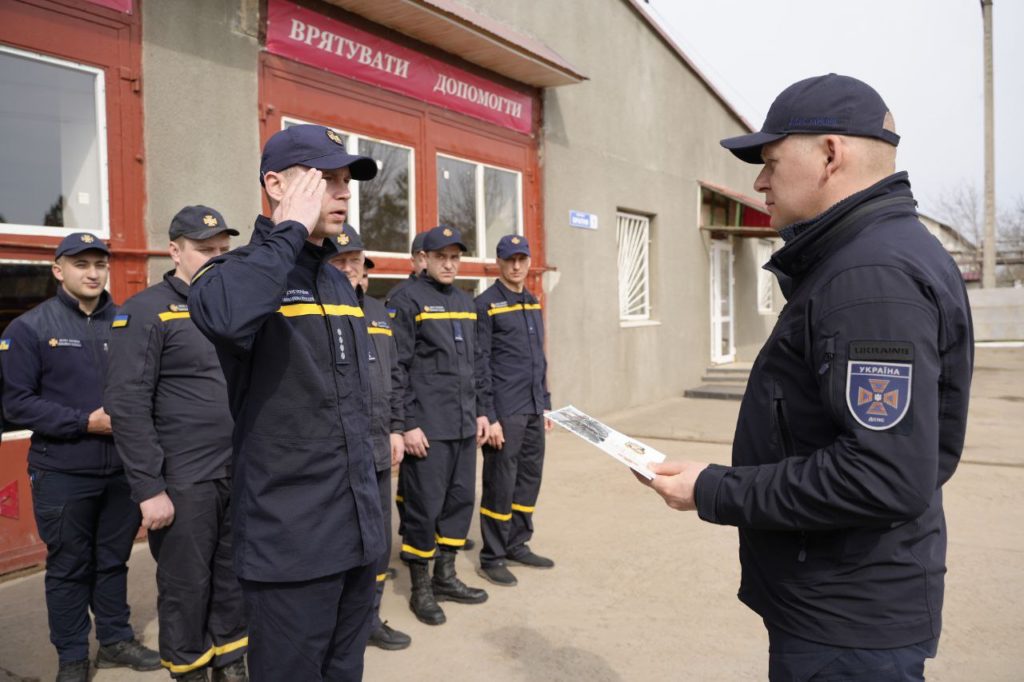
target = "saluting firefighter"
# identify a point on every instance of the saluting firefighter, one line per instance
(512, 370)
(168, 402)
(435, 331)
(386, 421)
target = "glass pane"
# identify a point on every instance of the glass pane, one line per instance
(23, 287)
(50, 147)
(456, 198)
(380, 286)
(501, 206)
(384, 201)
(468, 285)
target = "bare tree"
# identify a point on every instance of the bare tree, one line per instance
(963, 208)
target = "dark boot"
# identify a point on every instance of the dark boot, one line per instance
(422, 601)
(128, 654)
(232, 672)
(197, 675)
(387, 638)
(448, 586)
(73, 671)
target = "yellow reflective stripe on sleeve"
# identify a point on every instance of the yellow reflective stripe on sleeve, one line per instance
(445, 316)
(381, 577)
(512, 308)
(399, 499)
(419, 552)
(173, 316)
(300, 309)
(495, 515)
(449, 542)
(379, 330)
(206, 657)
(522, 508)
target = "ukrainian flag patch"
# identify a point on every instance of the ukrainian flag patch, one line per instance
(120, 320)
(5, 344)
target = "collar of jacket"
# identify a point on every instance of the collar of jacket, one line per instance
(817, 238)
(443, 288)
(361, 295)
(72, 302)
(509, 294)
(180, 287)
(264, 226)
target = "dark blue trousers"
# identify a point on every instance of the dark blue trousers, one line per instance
(313, 631)
(88, 524)
(792, 659)
(384, 488)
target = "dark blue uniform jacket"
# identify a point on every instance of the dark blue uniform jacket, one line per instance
(293, 345)
(852, 421)
(166, 394)
(385, 394)
(54, 361)
(512, 367)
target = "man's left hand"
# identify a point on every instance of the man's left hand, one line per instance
(675, 482)
(397, 449)
(483, 427)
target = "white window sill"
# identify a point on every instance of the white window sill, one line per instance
(627, 324)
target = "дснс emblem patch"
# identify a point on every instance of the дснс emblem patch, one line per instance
(878, 381)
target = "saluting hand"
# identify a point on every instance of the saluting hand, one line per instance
(416, 443)
(303, 200)
(157, 512)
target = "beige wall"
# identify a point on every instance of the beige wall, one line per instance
(638, 135)
(752, 326)
(199, 65)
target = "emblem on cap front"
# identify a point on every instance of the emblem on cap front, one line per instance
(516, 240)
(446, 232)
(209, 220)
(334, 137)
(343, 239)
(88, 238)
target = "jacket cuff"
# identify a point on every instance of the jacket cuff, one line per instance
(705, 492)
(141, 493)
(83, 422)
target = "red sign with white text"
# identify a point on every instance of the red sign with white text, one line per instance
(306, 36)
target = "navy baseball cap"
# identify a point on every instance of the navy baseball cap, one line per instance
(417, 243)
(511, 244)
(198, 222)
(441, 236)
(349, 240)
(77, 242)
(313, 146)
(834, 104)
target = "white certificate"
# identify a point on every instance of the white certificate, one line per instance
(630, 452)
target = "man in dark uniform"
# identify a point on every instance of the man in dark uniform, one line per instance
(307, 527)
(855, 411)
(168, 403)
(435, 331)
(54, 360)
(386, 413)
(513, 377)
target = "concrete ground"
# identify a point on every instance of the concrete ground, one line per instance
(641, 592)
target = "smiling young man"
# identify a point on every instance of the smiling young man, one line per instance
(513, 376)
(855, 410)
(168, 404)
(290, 335)
(435, 330)
(54, 361)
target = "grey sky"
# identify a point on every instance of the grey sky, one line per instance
(923, 56)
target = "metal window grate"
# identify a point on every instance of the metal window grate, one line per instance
(634, 266)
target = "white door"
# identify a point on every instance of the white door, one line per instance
(723, 348)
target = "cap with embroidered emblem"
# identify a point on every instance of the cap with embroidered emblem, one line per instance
(77, 242)
(834, 104)
(312, 146)
(349, 240)
(417, 243)
(441, 236)
(512, 244)
(198, 223)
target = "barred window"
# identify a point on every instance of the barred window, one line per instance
(634, 266)
(765, 285)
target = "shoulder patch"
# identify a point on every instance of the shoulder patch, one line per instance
(392, 312)
(5, 344)
(120, 320)
(878, 382)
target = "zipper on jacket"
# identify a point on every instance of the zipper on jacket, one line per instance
(788, 449)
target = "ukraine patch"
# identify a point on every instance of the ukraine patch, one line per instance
(879, 377)
(120, 320)
(5, 344)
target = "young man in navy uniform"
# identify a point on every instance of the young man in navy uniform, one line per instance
(307, 526)
(168, 403)
(513, 377)
(434, 327)
(854, 415)
(386, 413)
(54, 360)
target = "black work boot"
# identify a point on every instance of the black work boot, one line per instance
(74, 671)
(232, 672)
(498, 574)
(197, 675)
(387, 638)
(128, 654)
(422, 601)
(448, 586)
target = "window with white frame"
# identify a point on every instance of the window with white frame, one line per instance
(765, 283)
(483, 202)
(634, 235)
(54, 146)
(384, 216)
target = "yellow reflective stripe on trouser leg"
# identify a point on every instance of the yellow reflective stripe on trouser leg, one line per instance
(522, 508)
(409, 549)
(450, 542)
(381, 577)
(206, 657)
(495, 515)
(399, 499)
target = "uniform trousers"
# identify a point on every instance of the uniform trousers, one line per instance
(199, 602)
(439, 497)
(88, 524)
(511, 484)
(313, 631)
(793, 659)
(384, 487)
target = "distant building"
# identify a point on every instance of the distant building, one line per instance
(966, 254)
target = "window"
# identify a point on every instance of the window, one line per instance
(383, 217)
(53, 127)
(765, 283)
(634, 266)
(482, 201)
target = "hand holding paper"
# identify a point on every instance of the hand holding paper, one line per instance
(675, 482)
